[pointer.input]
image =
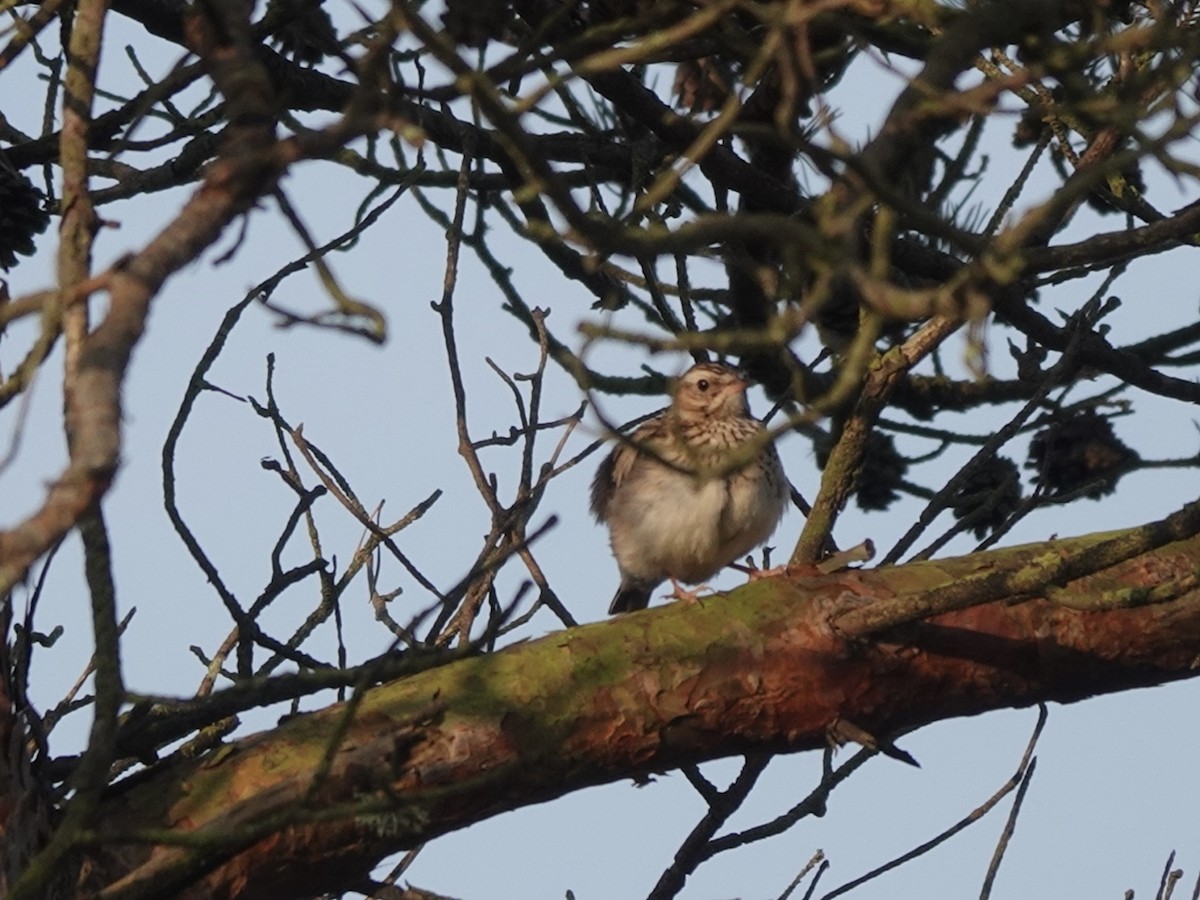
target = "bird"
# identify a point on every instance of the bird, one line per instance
(691, 489)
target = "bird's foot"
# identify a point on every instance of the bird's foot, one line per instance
(753, 573)
(773, 572)
(691, 595)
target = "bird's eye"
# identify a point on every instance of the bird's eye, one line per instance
(702, 384)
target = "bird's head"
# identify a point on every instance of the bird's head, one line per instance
(710, 390)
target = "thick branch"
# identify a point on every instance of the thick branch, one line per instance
(760, 669)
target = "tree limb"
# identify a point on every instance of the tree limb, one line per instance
(758, 670)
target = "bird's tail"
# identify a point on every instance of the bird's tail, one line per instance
(630, 596)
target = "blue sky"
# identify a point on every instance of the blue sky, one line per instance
(1114, 790)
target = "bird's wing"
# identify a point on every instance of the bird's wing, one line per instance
(616, 467)
(602, 487)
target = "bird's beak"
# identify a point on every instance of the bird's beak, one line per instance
(737, 389)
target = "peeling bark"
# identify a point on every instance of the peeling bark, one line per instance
(761, 669)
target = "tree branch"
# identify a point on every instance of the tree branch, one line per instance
(760, 669)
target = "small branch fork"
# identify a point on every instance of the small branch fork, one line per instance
(509, 533)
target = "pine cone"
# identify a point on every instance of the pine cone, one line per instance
(990, 495)
(301, 29)
(22, 214)
(1080, 451)
(883, 469)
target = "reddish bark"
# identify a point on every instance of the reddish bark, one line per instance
(758, 669)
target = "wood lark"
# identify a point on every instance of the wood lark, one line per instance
(692, 490)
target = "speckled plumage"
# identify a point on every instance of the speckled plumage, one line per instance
(674, 508)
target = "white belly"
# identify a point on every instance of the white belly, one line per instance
(688, 529)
